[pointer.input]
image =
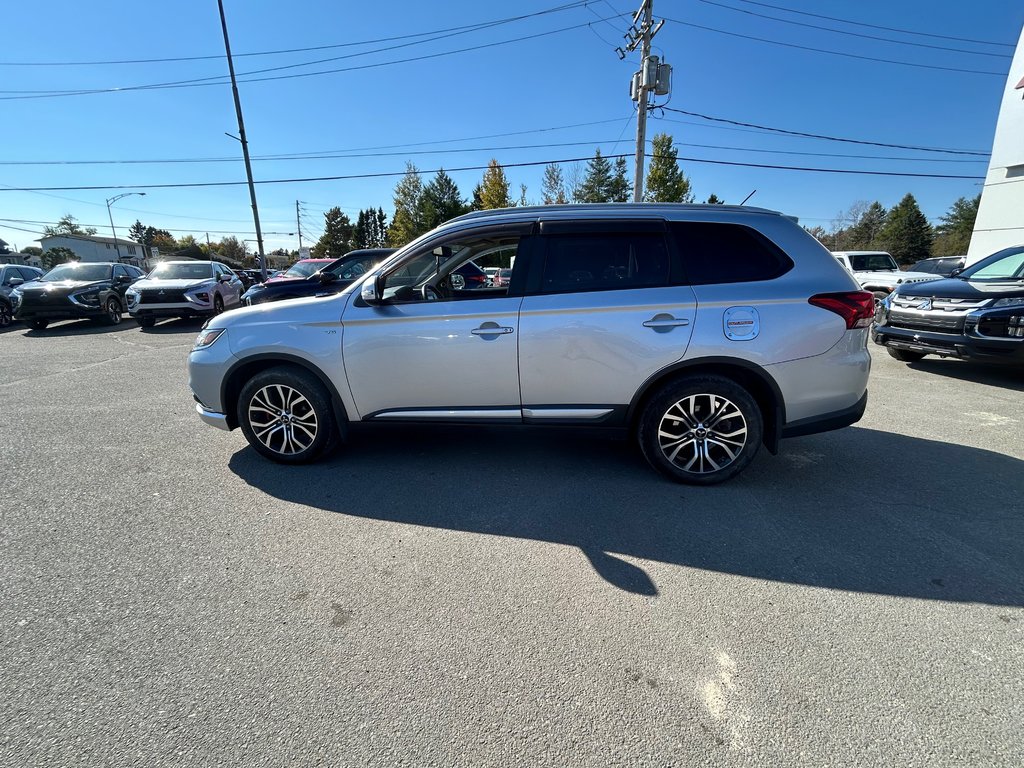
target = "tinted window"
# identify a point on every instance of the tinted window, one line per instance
(727, 253)
(605, 262)
(28, 274)
(119, 271)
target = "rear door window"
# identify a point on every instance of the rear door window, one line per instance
(714, 252)
(607, 261)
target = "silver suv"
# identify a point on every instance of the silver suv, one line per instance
(184, 289)
(702, 331)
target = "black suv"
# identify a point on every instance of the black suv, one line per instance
(978, 314)
(75, 290)
(333, 278)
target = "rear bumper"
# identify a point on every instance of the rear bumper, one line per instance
(828, 421)
(976, 348)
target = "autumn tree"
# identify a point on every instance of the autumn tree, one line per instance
(666, 182)
(232, 249)
(493, 190)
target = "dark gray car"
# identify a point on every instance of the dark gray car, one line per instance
(11, 276)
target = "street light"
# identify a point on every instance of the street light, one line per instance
(111, 201)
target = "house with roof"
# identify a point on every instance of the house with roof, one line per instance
(96, 248)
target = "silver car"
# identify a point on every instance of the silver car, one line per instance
(184, 289)
(701, 331)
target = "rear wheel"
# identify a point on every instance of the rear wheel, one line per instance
(218, 304)
(285, 414)
(904, 355)
(701, 430)
(37, 325)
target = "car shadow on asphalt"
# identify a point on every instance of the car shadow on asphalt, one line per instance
(858, 509)
(178, 325)
(77, 328)
(1008, 377)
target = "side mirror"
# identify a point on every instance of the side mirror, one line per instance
(125, 279)
(956, 271)
(372, 291)
(14, 282)
(225, 278)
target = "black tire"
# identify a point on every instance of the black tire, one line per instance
(218, 304)
(146, 322)
(905, 355)
(303, 432)
(679, 439)
(36, 324)
(114, 311)
(6, 316)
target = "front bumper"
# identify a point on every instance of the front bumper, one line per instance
(213, 418)
(969, 345)
(66, 311)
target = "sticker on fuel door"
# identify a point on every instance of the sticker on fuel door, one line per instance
(741, 323)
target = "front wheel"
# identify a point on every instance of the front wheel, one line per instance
(905, 355)
(218, 304)
(701, 431)
(146, 322)
(6, 316)
(113, 312)
(285, 414)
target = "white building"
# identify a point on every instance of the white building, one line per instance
(96, 248)
(1000, 221)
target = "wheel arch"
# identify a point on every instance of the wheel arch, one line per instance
(752, 377)
(239, 373)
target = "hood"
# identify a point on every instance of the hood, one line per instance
(175, 285)
(309, 310)
(955, 288)
(64, 286)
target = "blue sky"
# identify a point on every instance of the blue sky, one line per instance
(566, 88)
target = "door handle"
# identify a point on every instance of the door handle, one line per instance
(492, 330)
(665, 321)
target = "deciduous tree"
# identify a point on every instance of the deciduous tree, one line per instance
(494, 188)
(54, 256)
(68, 225)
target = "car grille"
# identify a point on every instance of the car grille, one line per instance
(936, 314)
(43, 299)
(161, 296)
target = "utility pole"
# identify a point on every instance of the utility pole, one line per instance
(298, 223)
(244, 143)
(649, 78)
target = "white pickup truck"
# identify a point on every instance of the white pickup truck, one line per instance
(878, 272)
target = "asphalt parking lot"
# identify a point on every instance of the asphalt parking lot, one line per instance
(449, 597)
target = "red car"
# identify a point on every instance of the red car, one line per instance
(301, 270)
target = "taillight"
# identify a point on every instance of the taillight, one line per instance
(478, 278)
(857, 308)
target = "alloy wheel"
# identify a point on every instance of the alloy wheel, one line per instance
(6, 318)
(282, 419)
(702, 433)
(113, 312)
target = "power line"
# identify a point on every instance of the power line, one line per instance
(854, 34)
(875, 26)
(190, 185)
(830, 138)
(460, 29)
(208, 81)
(168, 229)
(875, 59)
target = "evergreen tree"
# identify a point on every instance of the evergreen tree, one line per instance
(714, 199)
(494, 188)
(337, 238)
(907, 235)
(441, 201)
(666, 183)
(597, 184)
(953, 235)
(553, 186)
(361, 231)
(406, 224)
(379, 229)
(864, 233)
(620, 189)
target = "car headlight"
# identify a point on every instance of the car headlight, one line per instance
(91, 298)
(1016, 301)
(206, 337)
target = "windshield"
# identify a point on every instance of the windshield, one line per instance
(76, 271)
(870, 262)
(304, 268)
(197, 271)
(1007, 264)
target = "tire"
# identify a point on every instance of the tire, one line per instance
(146, 322)
(904, 355)
(36, 324)
(114, 311)
(6, 316)
(286, 415)
(679, 440)
(218, 304)
(880, 296)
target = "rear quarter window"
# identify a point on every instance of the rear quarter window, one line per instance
(714, 252)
